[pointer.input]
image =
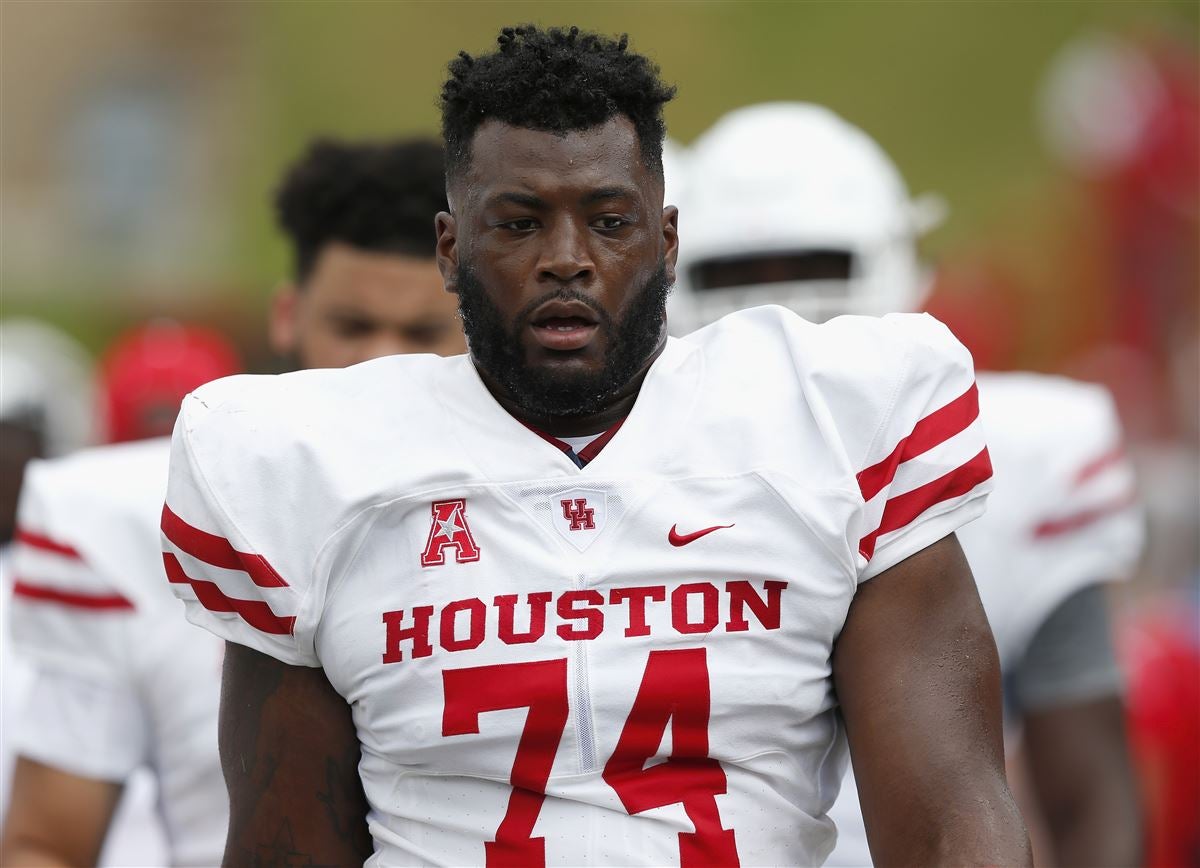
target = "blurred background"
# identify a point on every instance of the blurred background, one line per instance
(141, 139)
(140, 142)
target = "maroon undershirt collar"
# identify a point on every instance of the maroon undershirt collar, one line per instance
(587, 453)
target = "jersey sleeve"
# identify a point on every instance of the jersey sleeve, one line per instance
(1087, 526)
(1090, 526)
(75, 628)
(250, 591)
(1070, 659)
(87, 728)
(925, 471)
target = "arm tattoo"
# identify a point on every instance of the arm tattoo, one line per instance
(290, 755)
(341, 801)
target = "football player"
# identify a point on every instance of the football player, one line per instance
(123, 681)
(792, 205)
(572, 598)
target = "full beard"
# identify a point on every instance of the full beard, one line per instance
(497, 349)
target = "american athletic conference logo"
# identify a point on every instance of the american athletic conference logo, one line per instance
(579, 515)
(449, 530)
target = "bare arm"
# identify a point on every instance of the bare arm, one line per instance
(56, 818)
(1067, 689)
(290, 756)
(918, 680)
(1081, 775)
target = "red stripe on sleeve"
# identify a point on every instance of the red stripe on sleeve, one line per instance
(216, 550)
(254, 612)
(44, 594)
(1098, 465)
(38, 541)
(903, 508)
(1080, 520)
(938, 427)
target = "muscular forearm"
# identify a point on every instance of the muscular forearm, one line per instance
(1100, 835)
(290, 755)
(31, 853)
(918, 680)
(55, 818)
(974, 821)
(1084, 783)
(986, 830)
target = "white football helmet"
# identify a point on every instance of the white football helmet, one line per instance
(46, 383)
(786, 203)
(674, 157)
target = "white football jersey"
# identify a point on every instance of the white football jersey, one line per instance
(1063, 516)
(627, 663)
(134, 833)
(121, 681)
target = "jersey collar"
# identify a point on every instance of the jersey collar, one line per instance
(585, 455)
(504, 448)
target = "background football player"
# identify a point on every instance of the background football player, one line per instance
(789, 204)
(122, 680)
(453, 642)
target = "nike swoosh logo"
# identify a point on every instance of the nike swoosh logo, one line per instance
(675, 538)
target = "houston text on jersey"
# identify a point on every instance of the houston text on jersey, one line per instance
(696, 607)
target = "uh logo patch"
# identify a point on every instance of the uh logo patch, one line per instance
(579, 514)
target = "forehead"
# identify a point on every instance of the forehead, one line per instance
(347, 276)
(505, 157)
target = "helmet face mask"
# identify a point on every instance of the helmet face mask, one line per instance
(786, 203)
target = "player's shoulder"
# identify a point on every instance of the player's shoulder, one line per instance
(298, 400)
(844, 348)
(327, 444)
(97, 466)
(861, 384)
(334, 440)
(129, 477)
(1030, 394)
(88, 523)
(314, 413)
(866, 374)
(1048, 415)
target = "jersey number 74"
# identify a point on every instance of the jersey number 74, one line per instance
(674, 689)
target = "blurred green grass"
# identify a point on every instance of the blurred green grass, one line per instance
(948, 89)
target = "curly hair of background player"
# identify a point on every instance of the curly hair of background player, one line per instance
(378, 197)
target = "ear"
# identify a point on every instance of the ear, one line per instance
(447, 249)
(283, 326)
(670, 234)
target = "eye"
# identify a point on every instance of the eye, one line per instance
(353, 328)
(425, 335)
(609, 221)
(522, 224)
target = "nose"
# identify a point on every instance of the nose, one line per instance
(565, 256)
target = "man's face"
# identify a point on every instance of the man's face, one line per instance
(562, 255)
(358, 305)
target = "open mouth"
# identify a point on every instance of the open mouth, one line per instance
(563, 325)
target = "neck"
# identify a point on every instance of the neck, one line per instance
(616, 408)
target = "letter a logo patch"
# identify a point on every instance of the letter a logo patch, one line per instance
(449, 530)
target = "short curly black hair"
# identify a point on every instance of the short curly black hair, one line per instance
(380, 197)
(556, 80)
